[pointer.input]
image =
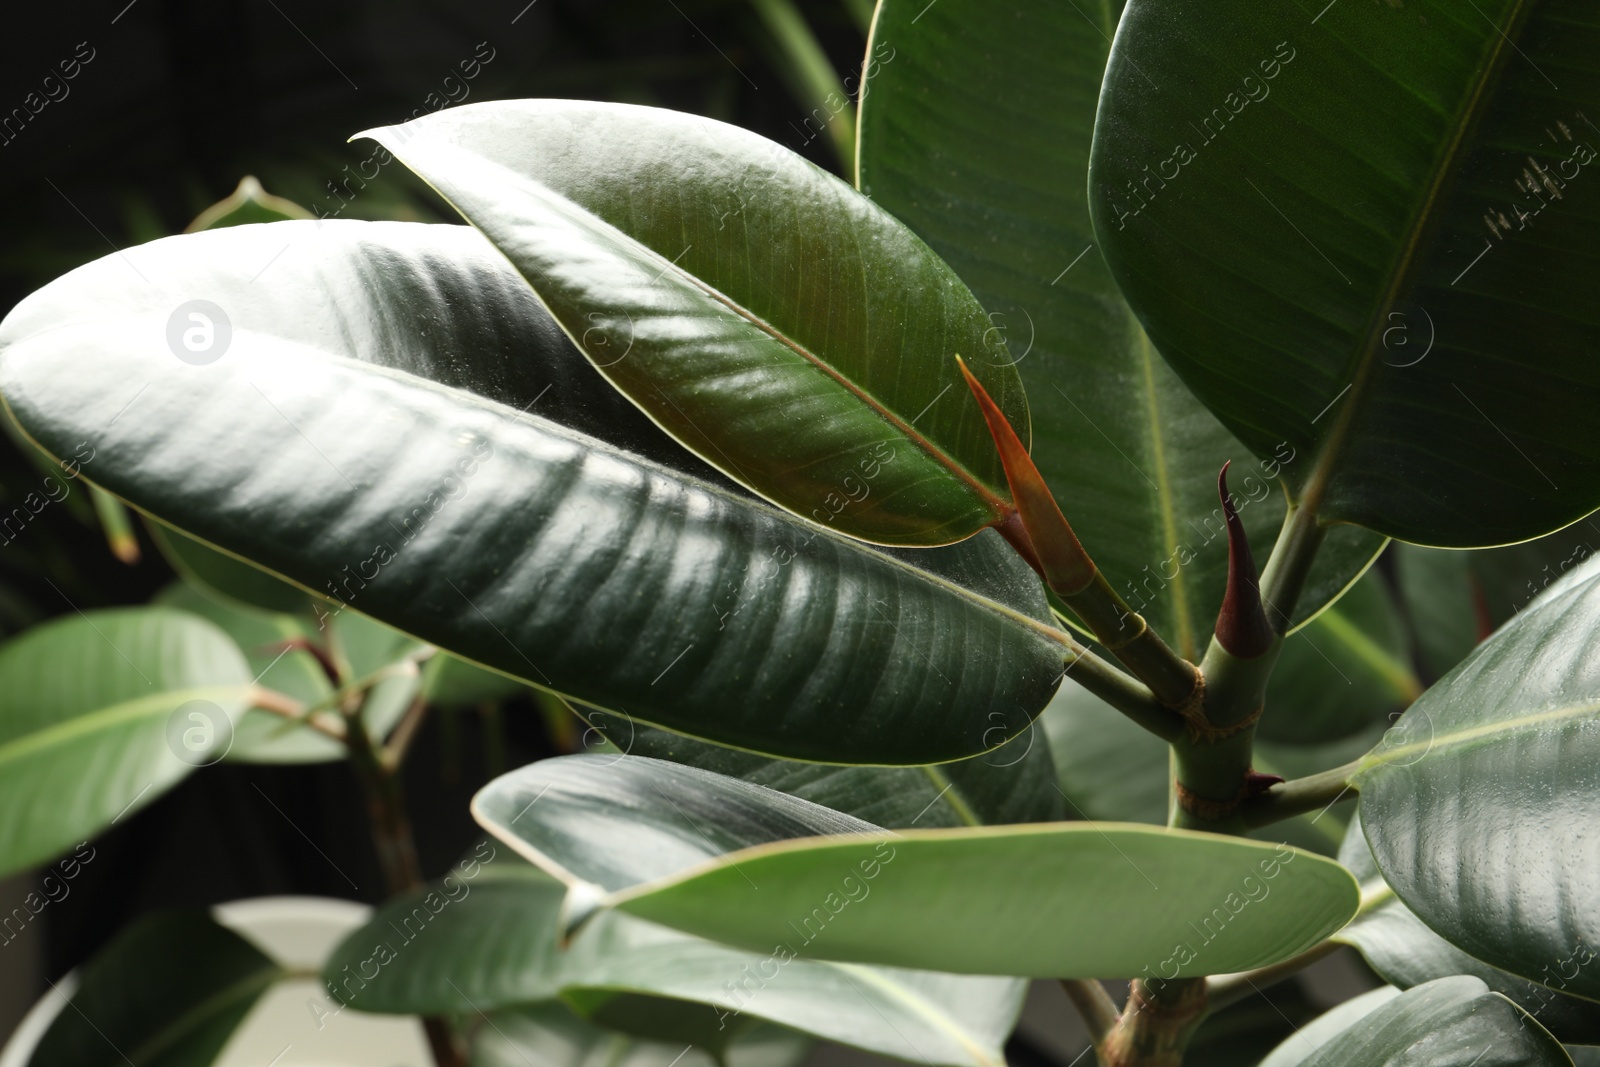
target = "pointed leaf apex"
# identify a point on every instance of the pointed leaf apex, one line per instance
(1242, 627)
(1048, 542)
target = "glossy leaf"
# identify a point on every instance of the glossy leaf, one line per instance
(1013, 784)
(721, 858)
(166, 992)
(1307, 1040)
(1401, 948)
(1363, 230)
(95, 710)
(781, 326)
(345, 442)
(975, 131)
(1347, 668)
(1480, 804)
(486, 937)
(1451, 1022)
(552, 1036)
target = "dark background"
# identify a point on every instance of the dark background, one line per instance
(179, 100)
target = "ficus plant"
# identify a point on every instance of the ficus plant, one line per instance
(896, 545)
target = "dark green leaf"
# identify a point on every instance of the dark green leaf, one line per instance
(975, 130)
(781, 326)
(1363, 231)
(1451, 1022)
(346, 441)
(1481, 802)
(1401, 948)
(166, 992)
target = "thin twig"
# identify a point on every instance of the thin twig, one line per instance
(1121, 690)
(1099, 1011)
(296, 711)
(1225, 989)
(394, 751)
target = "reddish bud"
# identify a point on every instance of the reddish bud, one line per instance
(1044, 539)
(1242, 627)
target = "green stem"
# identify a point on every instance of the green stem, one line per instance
(1157, 1023)
(1125, 693)
(1315, 792)
(1285, 576)
(1094, 1004)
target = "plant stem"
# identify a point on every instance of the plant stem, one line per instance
(811, 76)
(396, 848)
(1099, 1011)
(1156, 1024)
(1311, 793)
(400, 740)
(1225, 989)
(287, 706)
(1125, 693)
(1290, 564)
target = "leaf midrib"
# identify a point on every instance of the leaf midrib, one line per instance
(1475, 734)
(1403, 266)
(104, 718)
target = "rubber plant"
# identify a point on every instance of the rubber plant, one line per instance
(895, 543)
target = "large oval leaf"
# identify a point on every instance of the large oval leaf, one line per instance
(1401, 948)
(975, 131)
(166, 992)
(1452, 1022)
(1388, 271)
(777, 323)
(486, 939)
(374, 433)
(1482, 804)
(668, 843)
(95, 710)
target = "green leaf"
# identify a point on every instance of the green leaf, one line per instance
(975, 131)
(1309, 1039)
(1451, 1022)
(248, 203)
(346, 442)
(1480, 803)
(1401, 948)
(781, 326)
(95, 710)
(166, 992)
(1364, 230)
(1347, 668)
(721, 858)
(552, 1036)
(226, 576)
(1013, 784)
(485, 938)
